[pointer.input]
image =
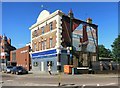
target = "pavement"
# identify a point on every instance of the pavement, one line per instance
(39, 74)
(44, 79)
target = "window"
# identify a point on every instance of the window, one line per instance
(35, 33)
(34, 46)
(43, 29)
(51, 42)
(14, 56)
(39, 46)
(43, 45)
(35, 64)
(38, 28)
(51, 26)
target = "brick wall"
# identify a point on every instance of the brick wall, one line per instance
(38, 32)
(22, 57)
(45, 37)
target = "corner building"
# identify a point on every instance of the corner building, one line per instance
(51, 41)
(46, 41)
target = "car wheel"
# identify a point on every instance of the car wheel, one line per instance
(27, 72)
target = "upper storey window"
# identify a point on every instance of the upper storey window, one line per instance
(51, 26)
(43, 28)
(51, 42)
(35, 33)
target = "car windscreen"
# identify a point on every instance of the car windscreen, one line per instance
(19, 68)
(9, 67)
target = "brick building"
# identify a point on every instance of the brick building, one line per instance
(45, 38)
(5, 48)
(51, 40)
(82, 56)
(21, 57)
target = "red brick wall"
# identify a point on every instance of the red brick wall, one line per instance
(22, 57)
(47, 29)
(45, 37)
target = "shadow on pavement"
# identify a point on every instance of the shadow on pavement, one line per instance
(60, 86)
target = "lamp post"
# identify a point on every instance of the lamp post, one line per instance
(71, 27)
(68, 54)
(59, 64)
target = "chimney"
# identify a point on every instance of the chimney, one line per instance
(89, 20)
(9, 41)
(70, 14)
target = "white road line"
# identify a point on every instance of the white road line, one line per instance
(34, 84)
(9, 80)
(83, 86)
(109, 84)
(98, 84)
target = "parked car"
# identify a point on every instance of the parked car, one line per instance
(8, 69)
(19, 70)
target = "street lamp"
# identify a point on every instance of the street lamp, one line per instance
(68, 54)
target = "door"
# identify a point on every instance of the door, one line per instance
(42, 66)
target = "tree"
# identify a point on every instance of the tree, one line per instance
(116, 49)
(103, 52)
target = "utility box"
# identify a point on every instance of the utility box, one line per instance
(68, 69)
(74, 71)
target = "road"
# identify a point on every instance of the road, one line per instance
(65, 80)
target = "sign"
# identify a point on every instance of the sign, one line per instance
(24, 51)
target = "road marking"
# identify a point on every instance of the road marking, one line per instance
(109, 84)
(98, 84)
(83, 86)
(9, 80)
(34, 84)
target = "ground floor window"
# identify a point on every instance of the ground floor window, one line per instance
(35, 64)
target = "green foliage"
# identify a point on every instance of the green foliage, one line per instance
(116, 49)
(103, 52)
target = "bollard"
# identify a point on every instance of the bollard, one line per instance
(101, 66)
(110, 65)
(118, 67)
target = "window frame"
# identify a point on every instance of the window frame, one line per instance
(42, 28)
(51, 42)
(51, 26)
(42, 45)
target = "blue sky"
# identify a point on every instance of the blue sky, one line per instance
(17, 17)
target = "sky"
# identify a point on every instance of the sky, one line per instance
(17, 17)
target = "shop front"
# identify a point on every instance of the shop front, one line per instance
(40, 60)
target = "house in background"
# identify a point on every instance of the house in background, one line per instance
(21, 57)
(5, 48)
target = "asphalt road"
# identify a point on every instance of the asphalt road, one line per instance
(83, 80)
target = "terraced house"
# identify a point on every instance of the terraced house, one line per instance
(5, 48)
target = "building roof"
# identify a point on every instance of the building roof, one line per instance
(45, 15)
